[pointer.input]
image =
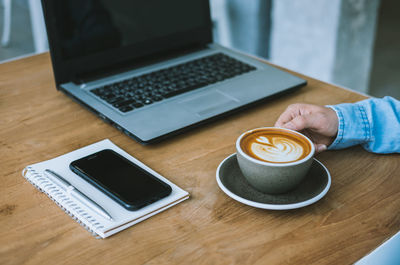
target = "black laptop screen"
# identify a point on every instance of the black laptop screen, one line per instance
(91, 34)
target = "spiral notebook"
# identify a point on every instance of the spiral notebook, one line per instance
(91, 220)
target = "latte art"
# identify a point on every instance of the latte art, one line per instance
(275, 145)
(276, 149)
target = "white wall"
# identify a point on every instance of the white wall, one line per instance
(331, 40)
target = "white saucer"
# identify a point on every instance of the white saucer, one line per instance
(314, 186)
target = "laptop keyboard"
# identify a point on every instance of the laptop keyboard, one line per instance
(146, 89)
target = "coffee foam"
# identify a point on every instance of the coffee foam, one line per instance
(275, 146)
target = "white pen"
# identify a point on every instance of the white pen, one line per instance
(65, 185)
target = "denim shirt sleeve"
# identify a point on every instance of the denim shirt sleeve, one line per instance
(373, 123)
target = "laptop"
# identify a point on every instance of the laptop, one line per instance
(150, 68)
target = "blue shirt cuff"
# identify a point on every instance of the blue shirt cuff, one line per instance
(353, 128)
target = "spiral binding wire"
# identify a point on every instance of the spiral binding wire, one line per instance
(62, 199)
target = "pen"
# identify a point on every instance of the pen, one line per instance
(79, 195)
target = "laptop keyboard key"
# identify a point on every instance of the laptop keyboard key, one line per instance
(137, 105)
(147, 101)
(125, 108)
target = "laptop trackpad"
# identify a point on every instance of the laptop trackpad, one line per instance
(209, 104)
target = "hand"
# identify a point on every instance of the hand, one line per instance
(319, 123)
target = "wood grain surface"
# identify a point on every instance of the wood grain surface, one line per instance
(37, 123)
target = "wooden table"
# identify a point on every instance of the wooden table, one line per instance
(37, 123)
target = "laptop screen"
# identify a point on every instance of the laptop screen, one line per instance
(89, 35)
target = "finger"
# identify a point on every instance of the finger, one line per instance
(306, 121)
(290, 112)
(298, 123)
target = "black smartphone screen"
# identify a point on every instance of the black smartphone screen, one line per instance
(121, 179)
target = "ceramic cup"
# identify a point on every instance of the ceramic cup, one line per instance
(274, 160)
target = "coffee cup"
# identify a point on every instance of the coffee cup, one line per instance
(274, 160)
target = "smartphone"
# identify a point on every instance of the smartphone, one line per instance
(126, 182)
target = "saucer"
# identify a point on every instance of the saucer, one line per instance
(314, 186)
